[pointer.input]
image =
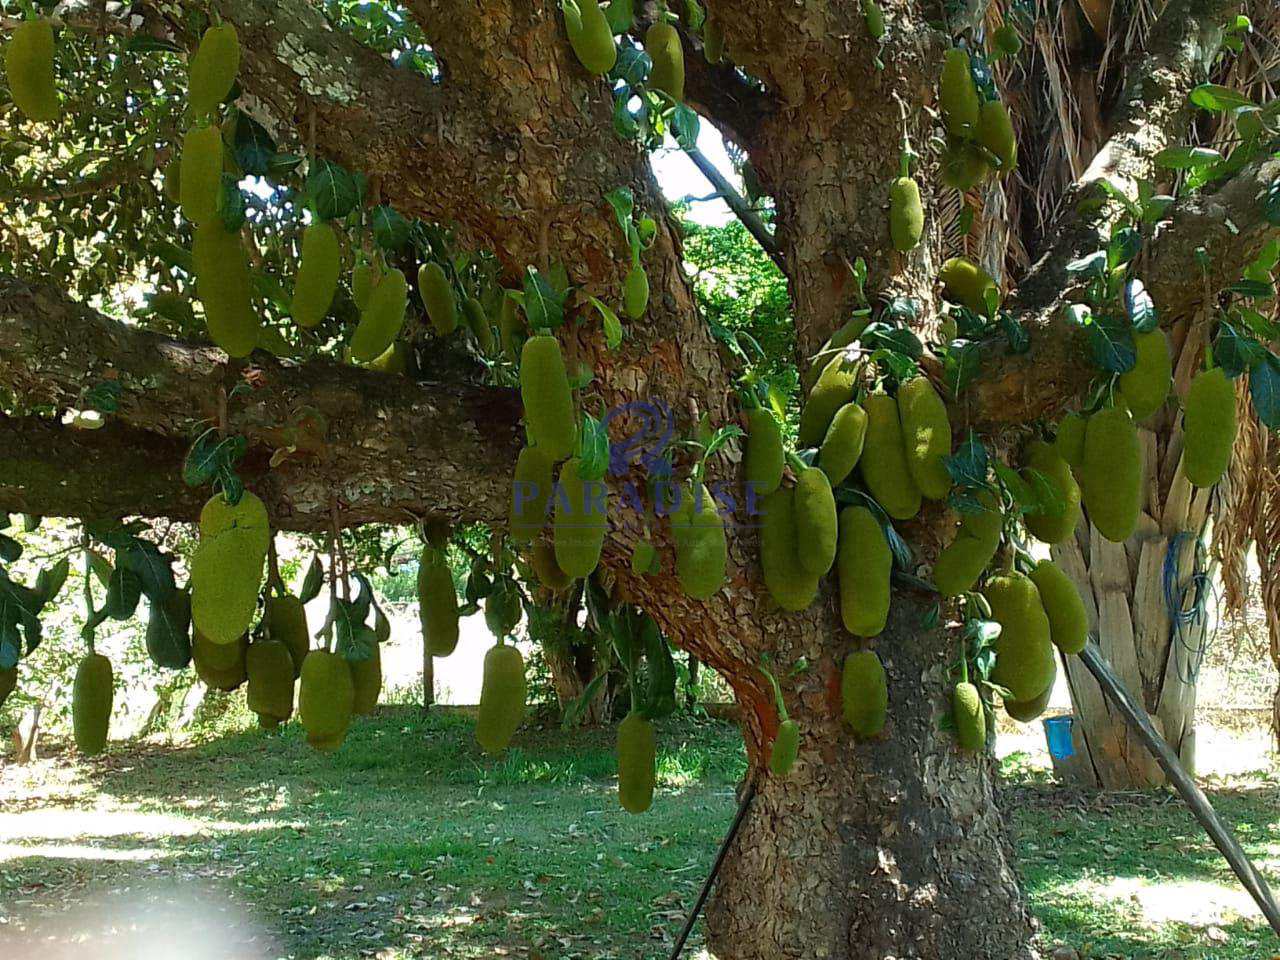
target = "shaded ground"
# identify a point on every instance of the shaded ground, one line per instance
(409, 843)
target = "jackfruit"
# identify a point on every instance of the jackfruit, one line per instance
(591, 37)
(995, 132)
(789, 583)
(1111, 475)
(91, 697)
(581, 520)
(833, 389)
(962, 561)
(906, 214)
(1209, 427)
(816, 521)
(226, 569)
(502, 609)
(845, 335)
(926, 431)
(28, 64)
(326, 698)
(286, 620)
(168, 636)
(366, 683)
(621, 15)
(884, 459)
(864, 693)
(1054, 524)
(637, 763)
(1068, 620)
(966, 283)
(478, 324)
(222, 283)
(712, 41)
(662, 44)
(511, 329)
(396, 359)
(1069, 442)
(1024, 653)
(364, 280)
(381, 321)
(635, 292)
(530, 494)
(765, 457)
(8, 683)
(963, 166)
(437, 295)
(172, 185)
(842, 446)
(1006, 40)
(786, 744)
(958, 96)
(969, 716)
(317, 275)
(213, 69)
(543, 561)
(548, 401)
(701, 547)
(437, 603)
(502, 698)
(219, 665)
(200, 175)
(1024, 711)
(874, 17)
(269, 667)
(864, 565)
(1146, 386)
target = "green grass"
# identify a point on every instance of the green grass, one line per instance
(408, 842)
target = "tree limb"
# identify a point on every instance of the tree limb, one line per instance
(741, 209)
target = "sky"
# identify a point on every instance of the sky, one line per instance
(679, 178)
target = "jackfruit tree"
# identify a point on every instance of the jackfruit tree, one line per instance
(977, 333)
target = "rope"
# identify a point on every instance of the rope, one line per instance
(1189, 619)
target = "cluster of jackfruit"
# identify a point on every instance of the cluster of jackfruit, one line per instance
(28, 66)
(226, 570)
(92, 694)
(979, 134)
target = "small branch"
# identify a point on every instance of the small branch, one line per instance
(738, 204)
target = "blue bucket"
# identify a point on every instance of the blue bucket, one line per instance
(1057, 730)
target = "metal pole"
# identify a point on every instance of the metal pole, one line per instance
(1192, 795)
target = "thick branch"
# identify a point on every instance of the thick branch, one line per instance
(741, 209)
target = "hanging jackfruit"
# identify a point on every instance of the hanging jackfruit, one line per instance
(637, 763)
(874, 17)
(845, 335)
(842, 446)
(28, 65)
(662, 44)
(213, 69)
(317, 279)
(701, 547)
(502, 698)
(1069, 442)
(382, 319)
(816, 521)
(286, 620)
(326, 697)
(91, 697)
(789, 583)
(226, 569)
(635, 292)
(966, 283)
(962, 561)
(437, 295)
(906, 214)
(1209, 427)
(884, 459)
(581, 520)
(437, 603)
(548, 401)
(478, 324)
(396, 359)
(200, 174)
(366, 683)
(712, 41)
(995, 132)
(168, 636)
(1006, 40)
(864, 693)
(785, 747)
(1146, 386)
(926, 431)
(969, 716)
(1024, 711)
(833, 389)
(591, 37)
(1056, 522)
(221, 666)
(1111, 475)
(864, 565)
(222, 283)
(963, 166)
(765, 457)
(958, 96)
(1024, 653)
(543, 561)
(511, 329)
(530, 494)
(269, 667)
(364, 280)
(1063, 605)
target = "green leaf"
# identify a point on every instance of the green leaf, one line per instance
(623, 202)
(254, 149)
(961, 366)
(575, 708)
(543, 306)
(632, 67)
(1092, 265)
(684, 127)
(898, 339)
(593, 448)
(231, 208)
(10, 549)
(49, 581)
(1186, 158)
(1015, 333)
(612, 325)
(123, 593)
(1253, 289)
(1264, 391)
(1211, 96)
(1139, 306)
(1111, 343)
(390, 230)
(313, 581)
(1124, 245)
(1236, 353)
(146, 43)
(332, 190)
(103, 397)
(968, 465)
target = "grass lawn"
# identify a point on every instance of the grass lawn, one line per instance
(409, 843)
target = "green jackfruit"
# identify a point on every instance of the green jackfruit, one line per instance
(269, 667)
(1068, 620)
(548, 401)
(995, 132)
(286, 620)
(926, 431)
(963, 166)
(1111, 475)
(381, 321)
(581, 520)
(1024, 653)
(437, 295)
(701, 547)
(1024, 711)
(91, 697)
(366, 683)
(962, 561)
(906, 214)
(226, 569)
(786, 744)
(842, 446)
(511, 329)
(864, 693)
(1006, 40)
(966, 283)
(168, 636)
(958, 96)
(635, 292)
(222, 283)
(789, 583)
(765, 457)
(502, 609)
(478, 324)
(8, 683)
(200, 175)
(220, 666)
(317, 279)
(864, 565)
(833, 389)
(364, 280)
(845, 335)
(437, 603)
(1069, 442)
(621, 15)
(28, 64)
(662, 44)
(637, 763)
(396, 359)
(1056, 523)
(969, 716)
(1209, 427)
(213, 69)
(543, 561)
(502, 698)
(326, 698)
(874, 17)
(712, 41)
(530, 494)
(816, 522)
(591, 37)
(1146, 387)
(884, 459)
